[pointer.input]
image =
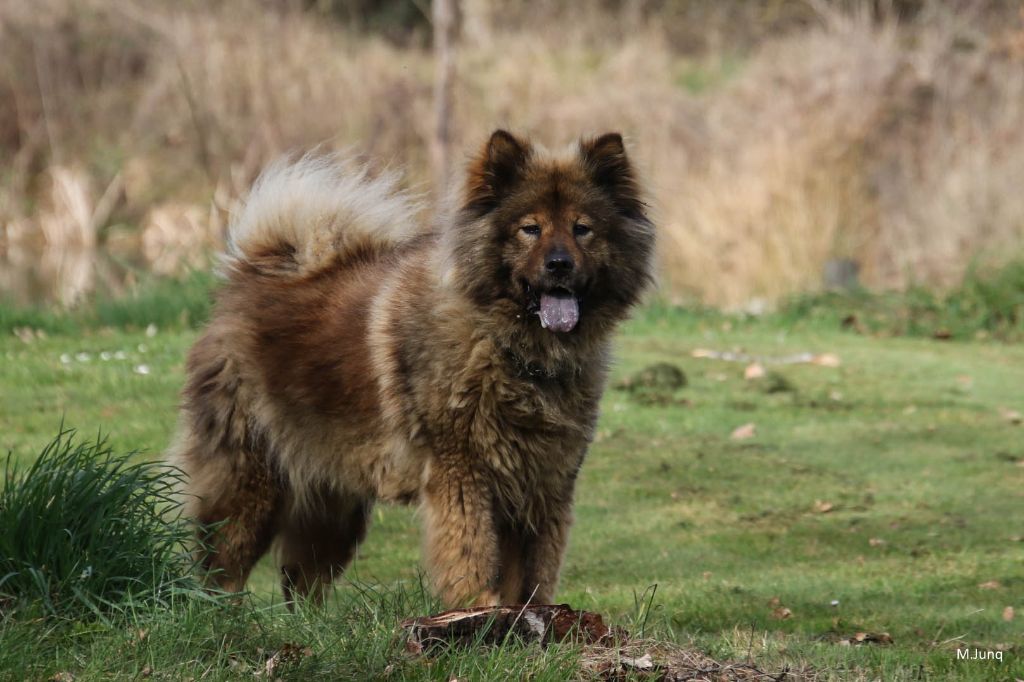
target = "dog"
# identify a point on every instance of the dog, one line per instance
(355, 356)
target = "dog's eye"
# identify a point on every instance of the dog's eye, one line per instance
(580, 230)
(532, 230)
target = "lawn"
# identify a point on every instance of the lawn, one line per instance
(883, 496)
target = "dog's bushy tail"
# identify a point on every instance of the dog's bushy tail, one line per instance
(301, 216)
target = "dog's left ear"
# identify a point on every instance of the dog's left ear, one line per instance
(604, 158)
(496, 170)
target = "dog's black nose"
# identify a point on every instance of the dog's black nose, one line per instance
(559, 261)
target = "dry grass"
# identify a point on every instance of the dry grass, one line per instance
(896, 143)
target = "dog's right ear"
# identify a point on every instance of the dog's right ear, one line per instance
(496, 170)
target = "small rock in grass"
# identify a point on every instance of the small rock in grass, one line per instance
(660, 375)
(774, 382)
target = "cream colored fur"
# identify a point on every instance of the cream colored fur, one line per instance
(320, 207)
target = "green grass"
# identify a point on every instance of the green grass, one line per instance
(908, 441)
(129, 547)
(166, 303)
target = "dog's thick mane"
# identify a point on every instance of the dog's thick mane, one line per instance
(303, 215)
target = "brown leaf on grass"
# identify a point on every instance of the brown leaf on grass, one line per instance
(823, 507)
(1008, 614)
(62, 677)
(288, 653)
(644, 662)
(876, 542)
(1012, 416)
(779, 612)
(754, 371)
(990, 585)
(870, 638)
(826, 360)
(744, 432)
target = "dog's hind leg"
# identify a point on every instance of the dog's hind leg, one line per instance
(236, 500)
(317, 541)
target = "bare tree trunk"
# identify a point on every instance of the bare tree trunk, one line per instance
(445, 17)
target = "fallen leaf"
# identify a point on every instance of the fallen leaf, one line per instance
(744, 432)
(644, 662)
(754, 371)
(62, 677)
(288, 653)
(826, 360)
(990, 585)
(782, 613)
(876, 542)
(1012, 416)
(1008, 614)
(823, 507)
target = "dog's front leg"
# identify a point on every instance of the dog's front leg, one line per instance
(461, 539)
(544, 556)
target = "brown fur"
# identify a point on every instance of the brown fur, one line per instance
(410, 366)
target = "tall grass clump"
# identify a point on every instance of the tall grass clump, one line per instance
(986, 304)
(86, 531)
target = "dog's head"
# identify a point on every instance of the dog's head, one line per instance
(564, 238)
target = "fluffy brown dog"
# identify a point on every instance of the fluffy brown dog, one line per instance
(355, 357)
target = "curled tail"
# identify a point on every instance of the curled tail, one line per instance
(301, 216)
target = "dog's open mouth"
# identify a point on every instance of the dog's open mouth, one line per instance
(559, 310)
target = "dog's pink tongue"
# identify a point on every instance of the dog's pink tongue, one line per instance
(559, 313)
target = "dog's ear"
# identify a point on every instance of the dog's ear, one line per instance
(496, 170)
(604, 158)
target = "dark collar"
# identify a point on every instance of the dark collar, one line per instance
(531, 371)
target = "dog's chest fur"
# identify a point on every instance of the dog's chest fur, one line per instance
(453, 393)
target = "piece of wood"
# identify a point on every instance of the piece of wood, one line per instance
(542, 623)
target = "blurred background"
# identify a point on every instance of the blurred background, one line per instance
(791, 145)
